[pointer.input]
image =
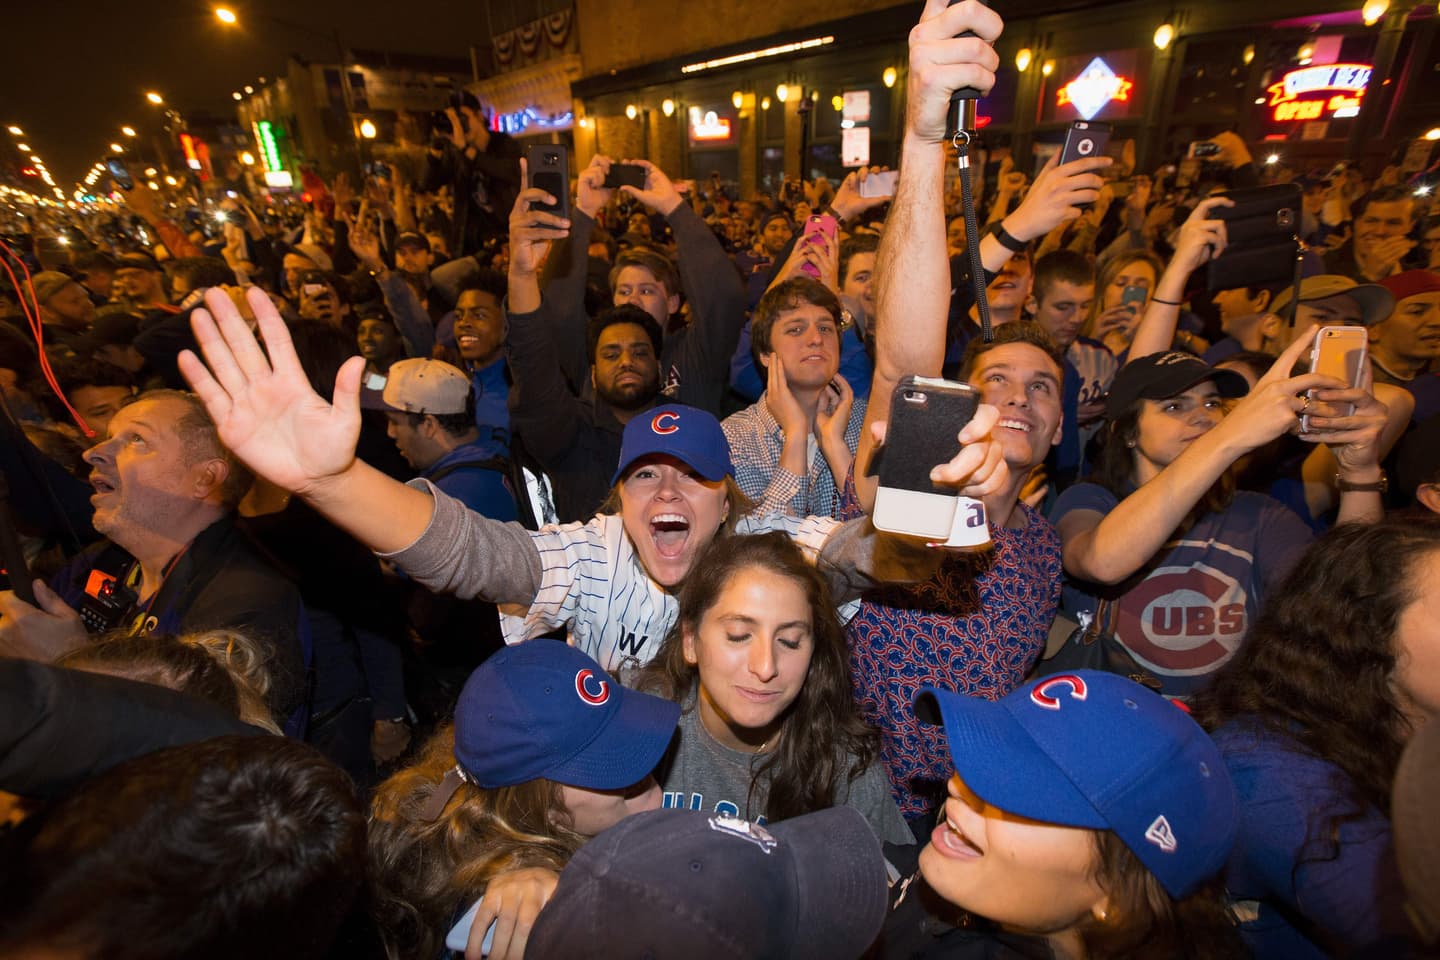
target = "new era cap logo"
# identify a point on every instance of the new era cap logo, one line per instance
(1044, 693)
(1160, 834)
(667, 422)
(745, 830)
(583, 681)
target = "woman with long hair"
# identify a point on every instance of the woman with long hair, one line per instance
(1312, 715)
(1117, 312)
(546, 751)
(757, 661)
(1087, 818)
(609, 581)
(1158, 545)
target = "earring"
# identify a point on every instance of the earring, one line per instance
(1130, 444)
(1103, 915)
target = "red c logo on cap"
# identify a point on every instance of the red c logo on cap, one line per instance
(658, 426)
(1042, 697)
(582, 680)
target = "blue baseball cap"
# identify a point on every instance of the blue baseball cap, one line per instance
(1097, 750)
(688, 434)
(542, 708)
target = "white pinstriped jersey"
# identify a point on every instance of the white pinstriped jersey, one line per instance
(593, 583)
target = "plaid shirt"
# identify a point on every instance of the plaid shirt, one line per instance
(755, 444)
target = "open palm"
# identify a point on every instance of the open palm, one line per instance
(265, 410)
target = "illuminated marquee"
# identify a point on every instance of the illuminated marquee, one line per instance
(1096, 86)
(265, 139)
(1346, 81)
(710, 126)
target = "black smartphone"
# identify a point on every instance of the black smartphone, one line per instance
(625, 175)
(1085, 138)
(120, 174)
(548, 166)
(926, 416)
(1262, 245)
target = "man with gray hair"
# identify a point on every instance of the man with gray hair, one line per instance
(173, 561)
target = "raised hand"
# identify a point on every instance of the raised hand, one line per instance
(1055, 196)
(979, 469)
(591, 193)
(264, 409)
(1274, 406)
(1202, 237)
(848, 202)
(941, 62)
(659, 194)
(532, 231)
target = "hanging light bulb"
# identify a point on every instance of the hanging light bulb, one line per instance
(765, 103)
(1023, 58)
(1373, 11)
(1048, 67)
(631, 111)
(1163, 35)
(889, 76)
(838, 102)
(1249, 55)
(667, 107)
(738, 99)
(782, 93)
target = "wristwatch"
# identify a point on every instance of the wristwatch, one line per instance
(1377, 486)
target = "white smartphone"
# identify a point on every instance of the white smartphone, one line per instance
(880, 184)
(459, 934)
(1338, 352)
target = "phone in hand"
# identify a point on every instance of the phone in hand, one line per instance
(625, 175)
(1134, 297)
(459, 934)
(1084, 139)
(826, 226)
(926, 417)
(120, 174)
(1203, 149)
(880, 184)
(1337, 352)
(548, 169)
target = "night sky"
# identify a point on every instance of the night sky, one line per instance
(75, 71)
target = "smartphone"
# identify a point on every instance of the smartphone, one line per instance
(1337, 352)
(548, 166)
(120, 174)
(1085, 138)
(881, 184)
(1200, 149)
(1134, 297)
(459, 934)
(926, 415)
(313, 289)
(821, 223)
(625, 175)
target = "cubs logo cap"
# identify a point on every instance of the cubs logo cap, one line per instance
(688, 434)
(1097, 750)
(706, 886)
(542, 708)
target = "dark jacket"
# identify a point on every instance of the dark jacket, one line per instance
(485, 187)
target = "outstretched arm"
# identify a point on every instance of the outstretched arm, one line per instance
(267, 413)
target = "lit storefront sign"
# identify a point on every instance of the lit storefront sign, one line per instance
(708, 126)
(1341, 85)
(279, 179)
(269, 151)
(1095, 87)
(521, 120)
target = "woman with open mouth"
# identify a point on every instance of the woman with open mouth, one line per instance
(1087, 818)
(610, 581)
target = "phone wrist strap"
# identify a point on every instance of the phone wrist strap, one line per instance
(962, 140)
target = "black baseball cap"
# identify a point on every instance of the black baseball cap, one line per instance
(412, 239)
(1163, 375)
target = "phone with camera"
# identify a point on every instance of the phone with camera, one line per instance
(1337, 352)
(1134, 297)
(120, 174)
(1084, 139)
(625, 175)
(824, 225)
(880, 184)
(1262, 245)
(926, 417)
(1203, 150)
(548, 169)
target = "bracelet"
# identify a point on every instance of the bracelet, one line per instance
(1168, 303)
(1008, 240)
(839, 220)
(1379, 486)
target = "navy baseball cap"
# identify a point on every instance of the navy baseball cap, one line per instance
(1168, 374)
(1097, 750)
(542, 708)
(684, 883)
(688, 434)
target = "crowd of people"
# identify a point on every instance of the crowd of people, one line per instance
(392, 578)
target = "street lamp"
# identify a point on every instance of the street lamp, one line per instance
(117, 148)
(367, 129)
(17, 131)
(128, 131)
(23, 147)
(247, 158)
(154, 98)
(225, 15)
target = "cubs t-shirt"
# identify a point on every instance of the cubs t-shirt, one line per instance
(1196, 602)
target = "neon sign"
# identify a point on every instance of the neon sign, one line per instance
(1346, 81)
(1345, 77)
(710, 126)
(1096, 86)
(520, 120)
(265, 139)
